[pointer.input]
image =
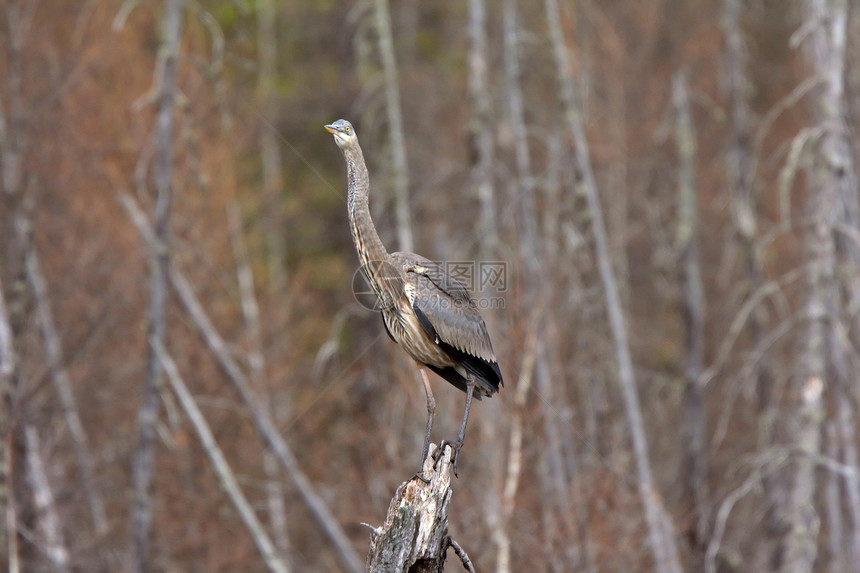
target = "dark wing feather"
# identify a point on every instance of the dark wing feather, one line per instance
(486, 372)
(448, 313)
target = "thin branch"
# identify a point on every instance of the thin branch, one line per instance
(773, 114)
(7, 354)
(395, 125)
(248, 299)
(740, 319)
(159, 262)
(833, 505)
(742, 380)
(257, 363)
(63, 385)
(270, 153)
(219, 462)
(661, 536)
(792, 164)
(8, 517)
(122, 14)
(480, 100)
(715, 543)
(693, 307)
(461, 553)
(260, 416)
(54, 547)
(515, 452)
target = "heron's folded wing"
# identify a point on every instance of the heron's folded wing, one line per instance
(448, 308)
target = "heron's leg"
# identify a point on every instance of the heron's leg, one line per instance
(470, 389)
(431, 411)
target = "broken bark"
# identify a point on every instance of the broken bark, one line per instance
(414, 537)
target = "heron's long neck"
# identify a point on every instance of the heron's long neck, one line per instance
(367, 242)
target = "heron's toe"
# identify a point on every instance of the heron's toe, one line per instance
(455, 451)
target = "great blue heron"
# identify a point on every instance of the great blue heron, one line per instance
(424, 309)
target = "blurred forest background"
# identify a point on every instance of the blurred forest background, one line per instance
(670, 184)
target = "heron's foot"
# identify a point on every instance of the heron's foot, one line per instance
(440, 453)
(418, 476)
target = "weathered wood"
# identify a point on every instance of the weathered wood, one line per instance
(414, 537)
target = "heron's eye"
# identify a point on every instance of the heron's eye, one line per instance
(346, 129)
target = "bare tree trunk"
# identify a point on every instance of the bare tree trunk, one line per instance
(739, 155)
(833, 505)
(54, 360)
(524, 194)
(219, 463)
(743, 202)
(266, 427)
(480, 139)
(740, 173)
(270, 153)
(852, 72)
(12, 316)
(407, 27)
(832, 183)
(799, 544)
(525, 188)
(618, 221)
(660, 530)
(694, 315)
(513, 471)
(844, 62)
(18, 22)
(8, 527)
(551, 227)
(414, 537)
(263, 422)
(556, 479)
(480, 129)
(11, 145)
(257, 363)
(144, 463)
(847, 448)
(52, 544)
(395, 125)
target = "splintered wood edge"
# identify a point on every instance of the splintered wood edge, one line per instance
(418, 513)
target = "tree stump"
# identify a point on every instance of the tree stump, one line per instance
(414, 537)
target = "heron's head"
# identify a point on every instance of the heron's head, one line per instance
(343, 132)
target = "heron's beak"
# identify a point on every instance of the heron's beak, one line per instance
(331, 129)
